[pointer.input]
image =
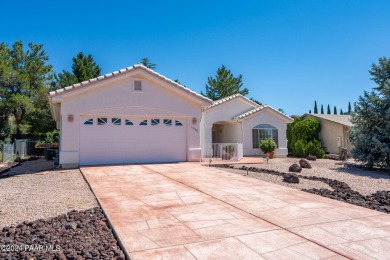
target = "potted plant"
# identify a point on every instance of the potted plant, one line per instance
(268, 146)
(229, 150)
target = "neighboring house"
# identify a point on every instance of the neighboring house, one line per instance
(136, 115)
(334, 133)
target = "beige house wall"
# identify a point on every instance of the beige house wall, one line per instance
(330, 133)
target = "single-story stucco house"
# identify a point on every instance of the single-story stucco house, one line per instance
(136, 115)
(334, 133)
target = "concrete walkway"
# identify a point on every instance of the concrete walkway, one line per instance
(188, 211)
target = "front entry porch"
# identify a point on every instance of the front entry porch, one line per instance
(226, 142)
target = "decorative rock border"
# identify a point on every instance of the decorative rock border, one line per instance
(379, 201)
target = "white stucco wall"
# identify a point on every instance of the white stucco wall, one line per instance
(116, 97)
(328, 134)
(270, 117)
(224, 113)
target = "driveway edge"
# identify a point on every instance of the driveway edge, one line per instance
(116, 235)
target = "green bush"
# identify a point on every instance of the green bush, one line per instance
(303, 149)
(302, 137)
(268, 145)
(53, 136)
(299, 148)
(315, 148)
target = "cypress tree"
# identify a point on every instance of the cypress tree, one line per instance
(315, 107)
(322, 109)
(335, 110)
(341, 111)
(349, 108)
(328, 110)
(309, 111)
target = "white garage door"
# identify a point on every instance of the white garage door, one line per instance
(121, 140)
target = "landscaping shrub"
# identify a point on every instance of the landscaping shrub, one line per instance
(299, 149)
(268, 145)
(302, 136)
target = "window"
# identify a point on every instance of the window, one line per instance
(145, 122)
(155, 121)
(102, 120)
(89, 122)
(178, 123)
(116, 121)
(137, 85)
(128, 122)
(262, 132)
(167, 122)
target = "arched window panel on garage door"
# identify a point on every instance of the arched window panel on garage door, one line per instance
(155, 121)
(89, 122)
(144, 122)
(102, 120)
(128, 122)
(178, 123)
(168, 122)
(116, 121)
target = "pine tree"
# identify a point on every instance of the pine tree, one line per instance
(328, 110)
(335, 110)
(371, 119)
(83, 68)
(322, 109)
(24, 84)
(224, 84)
(315, 107)
(146, 62)
(349, 108)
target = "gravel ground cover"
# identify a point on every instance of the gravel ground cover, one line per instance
(335, 183)
(34, 190)
(359, 179)
(75, 235)
(47, 213)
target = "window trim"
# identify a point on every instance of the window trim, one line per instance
(134, 89)
(273, 135)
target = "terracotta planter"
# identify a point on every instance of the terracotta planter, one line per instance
(271, 155)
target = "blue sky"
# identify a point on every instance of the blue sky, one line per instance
(290, 53)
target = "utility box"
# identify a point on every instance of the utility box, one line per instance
(338, 141)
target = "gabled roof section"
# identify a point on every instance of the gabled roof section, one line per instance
(133, 68)
(229, 98)
(339, 119)
(258, 109)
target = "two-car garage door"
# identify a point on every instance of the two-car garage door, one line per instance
(120, 140)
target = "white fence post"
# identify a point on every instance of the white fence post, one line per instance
(222, 151)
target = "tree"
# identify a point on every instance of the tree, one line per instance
(328, 110)
(315, 107)
(281, 110)
(335, 110)
(224, 84)
(146, 62)
(309, 111)
(322, 109)
(341, 111)
(371, 119)
(380, 73)
(83, 68)
(256, 101)
(349, 108)
(25, 79)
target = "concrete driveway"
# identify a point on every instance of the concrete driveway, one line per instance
(189, 211)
